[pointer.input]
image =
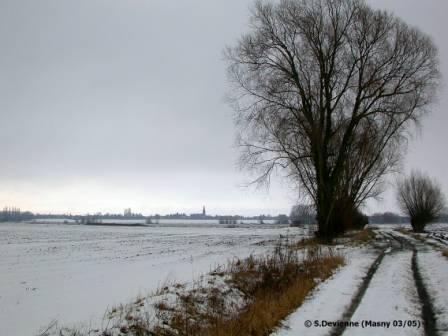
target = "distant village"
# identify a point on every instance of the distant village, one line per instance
(299, 215)
(14, 214)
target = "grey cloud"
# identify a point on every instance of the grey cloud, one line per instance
(115, 90)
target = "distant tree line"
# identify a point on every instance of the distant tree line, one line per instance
(305, 215)
(14, 215)
(387, 218)
(300, 215)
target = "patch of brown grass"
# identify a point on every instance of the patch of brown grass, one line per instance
(403, 230)
(162, 305)
(351, 237)
(364, 236)
(421, 237)
(307, 242)
(273, 287)
(411, 234)
(360, 237)
(266, 288)
(275, 299)
(445, 253)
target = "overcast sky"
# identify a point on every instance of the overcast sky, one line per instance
(107, 104)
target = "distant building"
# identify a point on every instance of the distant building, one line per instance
(127, 212)
(202, 215)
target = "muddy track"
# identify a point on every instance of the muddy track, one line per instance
(337, 331)
(396, 244)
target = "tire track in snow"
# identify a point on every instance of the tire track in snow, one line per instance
(347, 315)
(428, 312)
(429, 318)
(403, 252)
(396, 244)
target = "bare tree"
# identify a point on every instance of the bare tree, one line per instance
(302, 214)
(421, 199)
(326, 90)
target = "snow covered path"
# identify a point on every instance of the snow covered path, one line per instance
(391, 296)
(330, 298)
(434, 270)
(405, 295)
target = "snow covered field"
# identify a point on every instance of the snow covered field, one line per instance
(72, 273)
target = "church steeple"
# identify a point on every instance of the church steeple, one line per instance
(203, 210)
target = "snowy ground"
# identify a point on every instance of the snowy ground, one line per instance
(435, 270)
(392, 295)
(405, 292)
(73, 273)
(330, 299)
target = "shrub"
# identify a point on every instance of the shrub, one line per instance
(421, 199)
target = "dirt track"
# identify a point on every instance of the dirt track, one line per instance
(392, 243)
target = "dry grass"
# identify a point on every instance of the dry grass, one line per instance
(359, 237)
(273, 287)
(279, 293)
(307, 242)
(410, 233)
(445, 253)
(403, 230)
(419, 237)
(364, 236)
(263, 290)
